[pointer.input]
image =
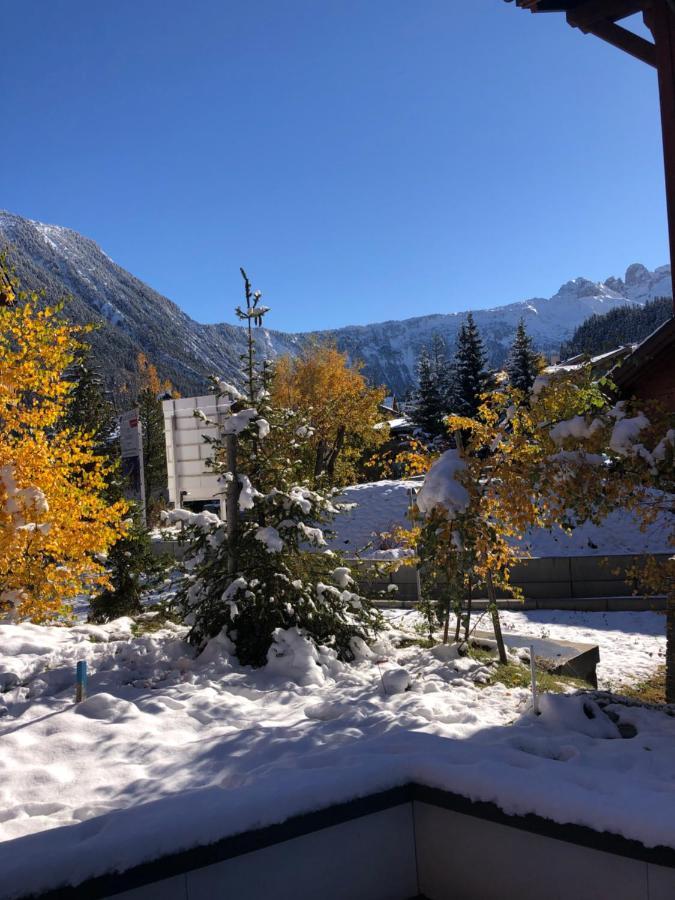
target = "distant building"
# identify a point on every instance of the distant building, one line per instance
(389, 405)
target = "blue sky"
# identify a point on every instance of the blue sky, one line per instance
(363, 160)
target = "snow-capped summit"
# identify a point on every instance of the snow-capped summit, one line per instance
(135, 318)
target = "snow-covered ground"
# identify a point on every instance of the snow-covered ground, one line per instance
(632, 644)
(170, 751)
(382, 506)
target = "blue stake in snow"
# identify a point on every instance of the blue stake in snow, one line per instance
(81, 682)
(533, 676)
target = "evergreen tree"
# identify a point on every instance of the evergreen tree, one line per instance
(151, 417)
(469, 369)
(133, 568)
(522, 364)
(428, 408)
(253, 578)
(90, 409)
(623, 325)
(443, 371)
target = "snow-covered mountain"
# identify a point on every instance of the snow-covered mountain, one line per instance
(390, 349)
(133, 317)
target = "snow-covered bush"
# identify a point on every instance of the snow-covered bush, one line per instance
(266, 567)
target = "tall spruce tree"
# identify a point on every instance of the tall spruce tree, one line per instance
(469, 369)
(522, 364)
(428, 409)
(443, 371)
(90, 408)
(152, 426)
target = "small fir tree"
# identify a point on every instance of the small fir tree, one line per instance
(522, 365)
(254, 577)
(133, 568)
(444, 372)
(469, 369)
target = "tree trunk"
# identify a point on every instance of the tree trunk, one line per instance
(496, 624)
(335, 451)
(320, 456)
(467, 626)
(446, 623)
(232, 503)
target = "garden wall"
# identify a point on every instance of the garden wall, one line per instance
(582, 582)
(408, 842)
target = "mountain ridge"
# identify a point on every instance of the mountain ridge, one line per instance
(133, 317)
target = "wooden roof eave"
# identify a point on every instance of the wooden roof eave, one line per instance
(660, 339)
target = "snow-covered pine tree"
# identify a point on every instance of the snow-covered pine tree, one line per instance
(265, 572)
(522, 365)
(429, 405)
(469, 369)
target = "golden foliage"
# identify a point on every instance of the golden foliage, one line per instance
(402, 461)
(549, 461)
(341, 409)
(53, 515)
(150, 379)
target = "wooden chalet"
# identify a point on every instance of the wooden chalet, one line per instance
(648, 373)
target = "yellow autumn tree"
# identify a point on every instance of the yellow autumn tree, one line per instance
(569, 454)
(341, 410)
(54, 520)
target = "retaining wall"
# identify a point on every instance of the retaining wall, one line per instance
(408, 842)
(546, 582)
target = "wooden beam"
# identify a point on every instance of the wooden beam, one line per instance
(622, 38)
(662, 20)
(592, 11)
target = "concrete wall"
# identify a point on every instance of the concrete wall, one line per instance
(544, 581)
(467, 858)
(369, 858)
(410, 842)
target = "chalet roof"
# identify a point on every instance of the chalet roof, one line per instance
(612, 8)
(663, 338)
(581, 360)
(548, 5)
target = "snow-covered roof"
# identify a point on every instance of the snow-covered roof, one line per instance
(395, 424)
(385, 505)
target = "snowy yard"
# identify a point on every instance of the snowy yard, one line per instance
(170, 751)
(632, 644)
